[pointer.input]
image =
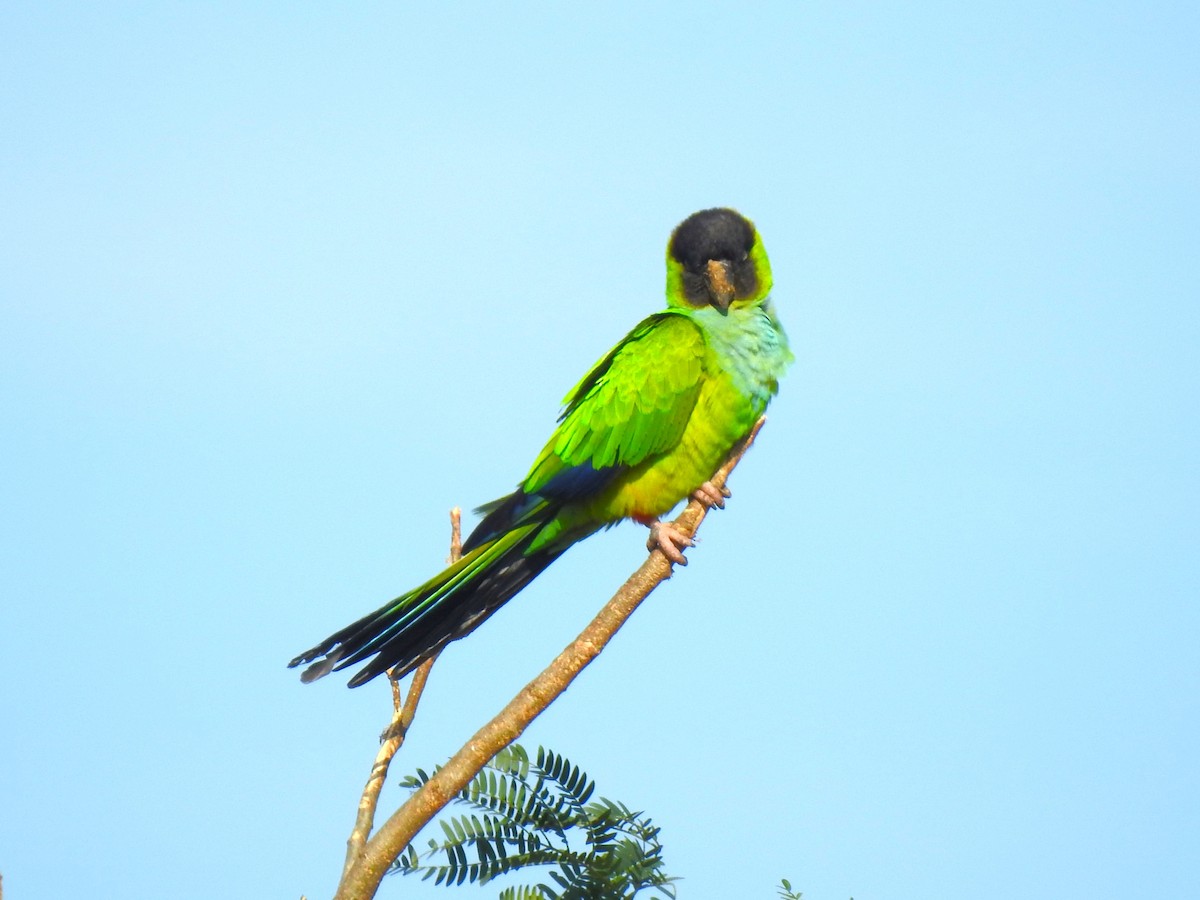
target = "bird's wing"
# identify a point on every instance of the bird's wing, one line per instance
(633, 404)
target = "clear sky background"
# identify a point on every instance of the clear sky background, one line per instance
(282, 283)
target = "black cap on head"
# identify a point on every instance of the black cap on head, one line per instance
(721, 234)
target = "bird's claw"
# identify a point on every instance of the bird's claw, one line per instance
(664, 536)
(710, 495)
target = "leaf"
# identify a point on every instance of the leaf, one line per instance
(531, 814)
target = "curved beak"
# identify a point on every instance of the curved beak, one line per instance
(720, 288)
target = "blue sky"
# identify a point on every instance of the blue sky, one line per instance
(281, 283)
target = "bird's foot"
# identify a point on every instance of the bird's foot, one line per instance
(670, 540)
(710, 495)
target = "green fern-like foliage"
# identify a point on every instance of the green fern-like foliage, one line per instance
(540, 813)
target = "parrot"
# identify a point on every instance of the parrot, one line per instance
(645, 428)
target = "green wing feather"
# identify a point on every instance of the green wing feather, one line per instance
(633, 404)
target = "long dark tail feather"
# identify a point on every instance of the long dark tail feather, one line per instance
(417, 625)
(503, 515)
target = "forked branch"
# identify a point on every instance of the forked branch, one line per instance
(361, 879)
(393, 736)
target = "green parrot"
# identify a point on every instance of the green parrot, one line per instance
(645, 428)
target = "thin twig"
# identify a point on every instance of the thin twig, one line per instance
(455, 535)
(362, 880)
(393, 736)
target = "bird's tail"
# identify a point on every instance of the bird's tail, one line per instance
(451, 604)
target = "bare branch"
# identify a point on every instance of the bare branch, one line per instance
(393, 736)
(455, 535)
(361, 881)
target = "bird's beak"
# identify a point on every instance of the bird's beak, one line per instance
(720, 288)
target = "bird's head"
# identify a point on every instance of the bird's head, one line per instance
(716, 258)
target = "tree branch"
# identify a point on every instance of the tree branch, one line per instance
(393, 736)
(361, 880)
